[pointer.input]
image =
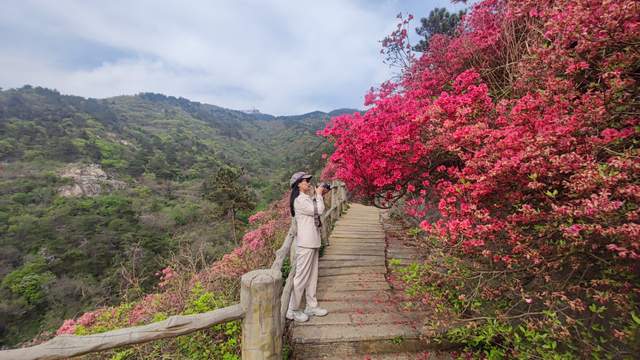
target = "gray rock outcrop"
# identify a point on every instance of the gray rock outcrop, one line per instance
(88, 180)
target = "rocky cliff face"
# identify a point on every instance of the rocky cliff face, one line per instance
(88, 180)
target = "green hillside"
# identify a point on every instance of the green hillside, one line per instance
(96, 194)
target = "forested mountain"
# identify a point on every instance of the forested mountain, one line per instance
(96, 194)
(174, 138)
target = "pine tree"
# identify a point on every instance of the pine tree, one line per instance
(440, 21)
(228, 192)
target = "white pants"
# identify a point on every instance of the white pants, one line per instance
(306, 277)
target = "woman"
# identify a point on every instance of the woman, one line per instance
(307, 244)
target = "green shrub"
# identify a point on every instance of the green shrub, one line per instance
(221, 342)
(29, 281)
(494, 339)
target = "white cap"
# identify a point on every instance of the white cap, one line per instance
(298, 176)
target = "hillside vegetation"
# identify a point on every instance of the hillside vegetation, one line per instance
(97, 194)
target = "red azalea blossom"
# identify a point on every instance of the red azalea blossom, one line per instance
(540, 145)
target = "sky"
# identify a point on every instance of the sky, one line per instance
(281, 57)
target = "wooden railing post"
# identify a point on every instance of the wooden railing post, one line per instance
(324, 238)
(334, 201)
(338, 195)
(261, 328)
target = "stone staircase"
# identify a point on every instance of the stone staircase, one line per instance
(363, 322)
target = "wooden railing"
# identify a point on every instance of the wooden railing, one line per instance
(262, 308)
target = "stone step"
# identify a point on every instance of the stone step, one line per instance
(352, 237)
(361, 215)
(350, 257)
(370, 269)
(371, 228)
(370, 218)
(338, 243)
(352, 285)
(362, 245)
(363, 251)
(352, 332)
(355, 350)
(355, 242)
(364, 223)
(349, 341)
(359, 242)
(353, 277)
(353, 250)
(357, 234)
(350, 263)
(357, 306)
(414, 319)
(350, 295)
(363, 318)
(332, 318)
(344, 240)
(358, 227)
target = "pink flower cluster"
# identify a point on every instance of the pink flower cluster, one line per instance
(258, 217)
(256, 238)
(166, 275)
(69, 326)
(515, 147)
(144, 309)
(257, 244)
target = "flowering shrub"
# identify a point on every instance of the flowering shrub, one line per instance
(515, 142)
(166, 275)
(67, 327)
(258, 217)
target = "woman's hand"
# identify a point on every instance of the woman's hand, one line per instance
(319, 190)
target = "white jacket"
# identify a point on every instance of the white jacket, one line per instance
(308, 234)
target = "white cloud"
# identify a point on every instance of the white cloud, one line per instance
(283, 57)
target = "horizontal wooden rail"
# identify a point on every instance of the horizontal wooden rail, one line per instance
(262, 296)
(283, 252)
(64, 346)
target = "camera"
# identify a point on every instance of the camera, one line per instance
(326, 186)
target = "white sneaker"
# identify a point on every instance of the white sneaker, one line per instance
(315, 311)
(296, 315)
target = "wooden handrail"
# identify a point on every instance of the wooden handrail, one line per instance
(283, 251)
(64, 346)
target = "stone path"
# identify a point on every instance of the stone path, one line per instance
(363, 321)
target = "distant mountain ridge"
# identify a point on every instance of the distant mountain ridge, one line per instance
(267, 146)
(256, 113)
